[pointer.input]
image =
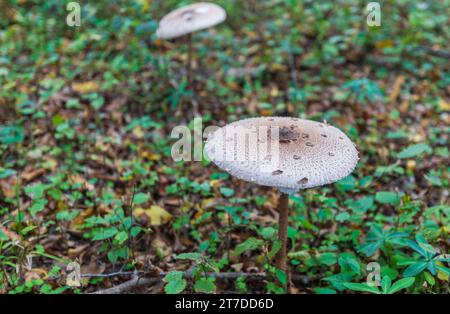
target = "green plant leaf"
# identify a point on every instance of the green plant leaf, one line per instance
(4, 173)
(385, 197)
(175, 286)
(37, 206)
(429, 278)
(362, 205)
(349, 263)
(402, 284)
(11, 134)
(3, 236)
(173, 275)
(342, 216)
(362, 287)
(205, 285)
(121, 237)
(140, 198)
(415, 269)
(104, 233)
(346, 184)
(414, 150)
(338, 280)
(443, 269)
(416, 247)
(193, 256)
(328, 258)
(386, 284)
(324, 291)
(227, 192)
(268, 233)
(276, 246)
(281, 276)
(370, 248)
(248, 245)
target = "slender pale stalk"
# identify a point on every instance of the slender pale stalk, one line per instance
(283, 210)
(189, 60)
(188, 75)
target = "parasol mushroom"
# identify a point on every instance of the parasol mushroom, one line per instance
(290, 154)
(189, 19)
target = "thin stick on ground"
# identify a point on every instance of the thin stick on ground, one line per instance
(138, 281)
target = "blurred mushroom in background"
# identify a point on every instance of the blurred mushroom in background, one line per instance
(189, 19)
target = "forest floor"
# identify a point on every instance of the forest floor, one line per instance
(88, 184)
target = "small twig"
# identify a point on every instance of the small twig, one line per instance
(133, 283)
(137, 281)
(114, 274)
(434, 52)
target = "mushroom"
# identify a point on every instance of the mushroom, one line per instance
(290, 154)
(189, 19)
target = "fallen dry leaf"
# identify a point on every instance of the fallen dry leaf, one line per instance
(35, 273)
(7, 187)
(85, 87)
(30, 174)
(396, 89)
(75, 252)
(444, 105)
(10, 234)
(156, 214)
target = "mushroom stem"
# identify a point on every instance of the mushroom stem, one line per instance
(189, 79)
(189, 60)
(283, 210)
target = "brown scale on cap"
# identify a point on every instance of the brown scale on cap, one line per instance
(303, 181)
(287, 135)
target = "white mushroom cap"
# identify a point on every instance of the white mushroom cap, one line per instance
(190, 18)
(283, 152)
